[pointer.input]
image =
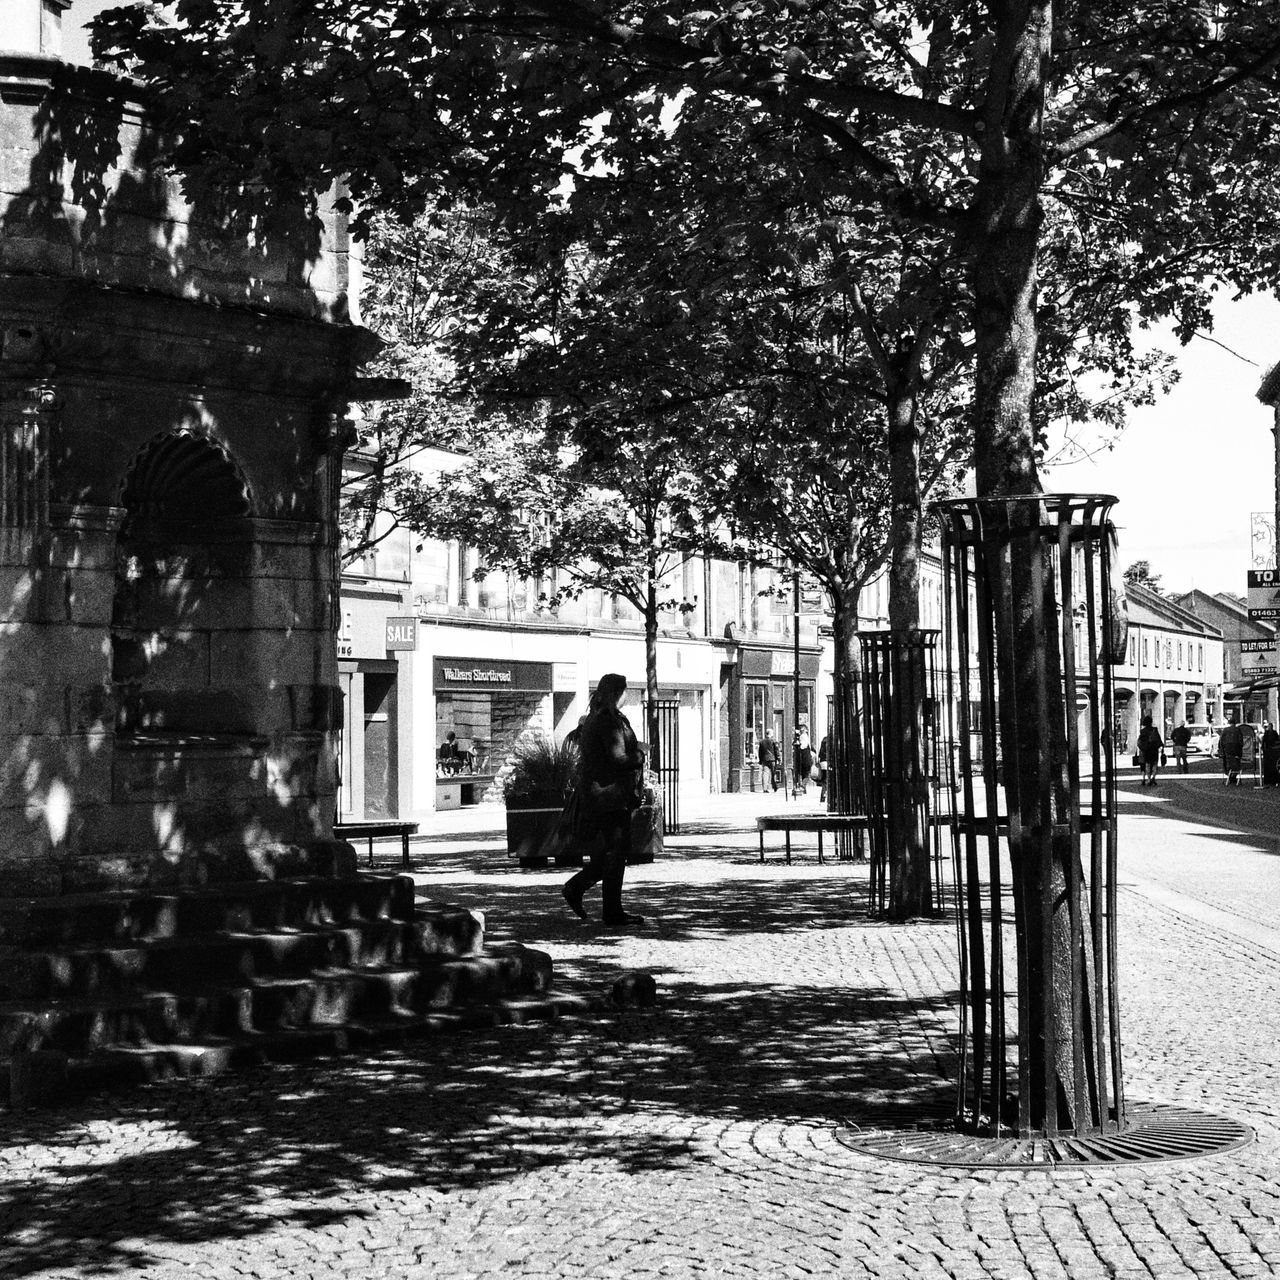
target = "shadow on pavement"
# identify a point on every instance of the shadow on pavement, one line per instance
(118, 1182)
(319, 1143)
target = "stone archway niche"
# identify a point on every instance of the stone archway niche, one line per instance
(215, 776)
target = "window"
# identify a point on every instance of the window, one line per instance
(1200, 656)
(1168, 653)
(1179, 655)
(1146, 656)
(1133, 650)
(755, 725)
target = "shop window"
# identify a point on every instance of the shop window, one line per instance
(755, 721)
(431, 572)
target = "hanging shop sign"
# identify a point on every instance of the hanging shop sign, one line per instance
(402, 634)
(484, 675)
(1264, 593)
(779, 662)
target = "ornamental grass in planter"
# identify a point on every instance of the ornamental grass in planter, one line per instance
(540, 772)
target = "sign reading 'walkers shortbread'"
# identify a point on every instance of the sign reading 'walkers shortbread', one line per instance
(486, 675)
(1264, 593)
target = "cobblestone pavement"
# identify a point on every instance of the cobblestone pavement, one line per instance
(698, 1139)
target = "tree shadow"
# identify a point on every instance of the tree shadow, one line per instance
(308, 1145)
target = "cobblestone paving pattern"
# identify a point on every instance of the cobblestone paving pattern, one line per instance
(697, 1139)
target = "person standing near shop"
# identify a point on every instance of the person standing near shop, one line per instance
(770, 758)
(1150, 744)
(1179, 739)
(610, 789)
(802, 754)
(1270, 755)
(1231, 749)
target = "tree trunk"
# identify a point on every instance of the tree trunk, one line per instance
(905, 527)
(907, 836)
(845, 784)
(1004, 283)
(651, 671)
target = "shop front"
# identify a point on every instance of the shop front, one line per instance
(376, 648)
(486, 705)
(763, 690)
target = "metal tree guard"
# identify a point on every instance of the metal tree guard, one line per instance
(903, 763)
(845, 781)
(662, 716)
(1035, 866)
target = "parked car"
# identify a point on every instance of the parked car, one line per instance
(1204, 738)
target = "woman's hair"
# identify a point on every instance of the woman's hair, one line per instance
(606, 694)
(1146, 720)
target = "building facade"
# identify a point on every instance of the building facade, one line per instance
(1253, 699)
(1173, 669)
(426, 650)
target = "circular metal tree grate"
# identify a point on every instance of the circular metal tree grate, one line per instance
(1155, 1132)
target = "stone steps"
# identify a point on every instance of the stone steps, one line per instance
(117, 989)
(88, 919)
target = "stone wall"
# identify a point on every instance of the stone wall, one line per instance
(171, 427)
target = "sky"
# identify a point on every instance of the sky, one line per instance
(1188, 471)
(75, 43)
(1191, 469)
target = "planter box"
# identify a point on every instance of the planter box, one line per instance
(531, 831)
(533, 840)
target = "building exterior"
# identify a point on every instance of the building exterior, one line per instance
(1173, 669)
(425, 650)
(1254, 699)
(486, 661)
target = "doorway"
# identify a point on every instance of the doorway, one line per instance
(380, 799)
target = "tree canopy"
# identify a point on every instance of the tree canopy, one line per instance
(1153, 126)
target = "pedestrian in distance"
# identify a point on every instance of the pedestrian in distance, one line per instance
(823, 764)
(1270, 755)
(610, 790)
(1179, 739)
(802, 759)
(1150, 744)
(1231, 750)
(770, 756)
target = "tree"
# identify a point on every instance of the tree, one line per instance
(1153, 121)
(413, 277)
(1140, 572)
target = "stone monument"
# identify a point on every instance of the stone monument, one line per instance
(172, 400)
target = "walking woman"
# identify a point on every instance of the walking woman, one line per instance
(1150, 744)
(610, 788)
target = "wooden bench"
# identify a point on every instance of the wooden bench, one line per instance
(818, 822)
(358, 830)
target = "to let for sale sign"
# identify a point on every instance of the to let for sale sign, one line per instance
(1264, 593)
(1259, 657)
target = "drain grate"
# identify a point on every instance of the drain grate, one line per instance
(1155, 1132)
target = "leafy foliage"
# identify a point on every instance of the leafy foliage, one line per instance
(1140, 572)
(1148, 130)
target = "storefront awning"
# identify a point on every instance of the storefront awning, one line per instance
(1245, 688)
